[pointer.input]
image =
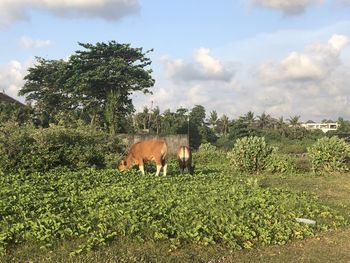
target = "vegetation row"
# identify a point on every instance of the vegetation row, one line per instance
(97, 207)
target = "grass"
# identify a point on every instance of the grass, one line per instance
(331, 246)
(332, 190)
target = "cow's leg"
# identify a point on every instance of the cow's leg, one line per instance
(141, 167)
(181, 166)
(159, 166)
(165, 166)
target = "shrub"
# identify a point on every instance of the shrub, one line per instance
(250, 154)
(209, 153)
(225, 143)
(280, 163)
(303, 164)
(329, 155)
(29, 149)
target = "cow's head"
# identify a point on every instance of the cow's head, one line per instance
(122, 166)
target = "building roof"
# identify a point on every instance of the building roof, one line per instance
(6, 98)
(310, 121)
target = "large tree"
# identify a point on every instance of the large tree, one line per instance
(97, 80)
(45, 85)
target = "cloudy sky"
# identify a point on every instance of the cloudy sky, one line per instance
(281, 57)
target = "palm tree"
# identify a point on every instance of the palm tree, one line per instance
(169, 122)
(224, 123)
(264, 120)
(248, 118)
(136, 122)
(281, 126)
(156, 119)
(142, 119)
(294, 121)
(213, 119)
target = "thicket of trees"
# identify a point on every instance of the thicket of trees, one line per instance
(93, 87)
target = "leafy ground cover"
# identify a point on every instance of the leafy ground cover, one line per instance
(215, 210)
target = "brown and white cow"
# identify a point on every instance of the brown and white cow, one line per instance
(184, 157)
(148, 150)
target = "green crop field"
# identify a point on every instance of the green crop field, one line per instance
(217, 214)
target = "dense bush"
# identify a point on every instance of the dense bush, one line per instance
(29, 149)
(329, 154)
(225, 143)
(280, 163)
(209, 153)
(250, 154)
(303, 164)
(15, 112)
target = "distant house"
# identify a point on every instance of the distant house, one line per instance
(325, 127)
(6, 98)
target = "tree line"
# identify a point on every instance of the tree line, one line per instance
(94, 85)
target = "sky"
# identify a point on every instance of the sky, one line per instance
(280, 57)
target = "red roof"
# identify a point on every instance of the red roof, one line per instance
(6, 98)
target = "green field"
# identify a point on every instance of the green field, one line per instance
(217, 215)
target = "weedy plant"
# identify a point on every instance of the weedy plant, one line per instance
(329, 155)
(97, 207)
(250, 154)
(208, 153)
(29, 149)
(280, 163)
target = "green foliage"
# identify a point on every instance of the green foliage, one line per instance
(208, 153)
(96, 81)
(329, 154)
(15, 112)
(197, 128)
(250, 154)
(344, 125)
(290, 146)
(224, 142)
(25, 148)
(280, 163)
(100, 206)
(240, 129)
(110, 111)
(303, 164)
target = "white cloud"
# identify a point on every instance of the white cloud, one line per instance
(342, 3)
(172, 95)
(11, 77)
(327, 107)
(338, 42)
(289, 77)
(197, 95)
(208, 63)
(204, 68)
(28, 42)
(316, 63)
(14, 10)
(312, 84)
(289, 7)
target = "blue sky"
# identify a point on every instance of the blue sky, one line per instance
(281, 57)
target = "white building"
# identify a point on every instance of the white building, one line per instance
(325, 127)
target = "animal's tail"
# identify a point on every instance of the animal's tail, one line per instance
(164, 152)
(183, 150)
